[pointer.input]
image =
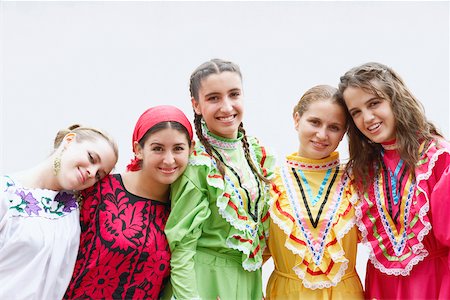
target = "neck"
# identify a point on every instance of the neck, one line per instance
(140, 185)
(39, 177)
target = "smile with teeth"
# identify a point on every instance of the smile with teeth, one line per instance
(227, 118)
(374, 127)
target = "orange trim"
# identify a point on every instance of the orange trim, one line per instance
(215, 176)
(315, 273)
(283, 212)
(233, 206)
(241, 239)
(254, 252)
(263, 159)
(265, 217)
(292, 237)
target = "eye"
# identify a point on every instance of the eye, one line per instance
(213, 98)
(335, 128)
(179, 148)
(90, 157)
(235, 94)
(157, 149)
(374, 103)
(354, 113)
(314, 122)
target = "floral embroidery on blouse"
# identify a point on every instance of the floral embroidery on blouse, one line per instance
(37, 202)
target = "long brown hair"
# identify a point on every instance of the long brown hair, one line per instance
(217, 66)
(412, 127)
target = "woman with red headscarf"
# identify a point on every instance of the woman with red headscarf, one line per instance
(123, 250)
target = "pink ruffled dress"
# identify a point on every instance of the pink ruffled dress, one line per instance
(405, 223)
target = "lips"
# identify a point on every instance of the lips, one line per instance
(168, 170)
(319, 145)
(374, 127)
(82, 177)
(227, 118)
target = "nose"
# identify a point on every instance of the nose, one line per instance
(227, 105)
(321, 133)
(91, 171)
(368, 116)
(169, 158)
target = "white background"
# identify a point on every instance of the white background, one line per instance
(102, 64)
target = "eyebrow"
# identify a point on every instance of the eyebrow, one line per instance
(213, 93)
(368, 100)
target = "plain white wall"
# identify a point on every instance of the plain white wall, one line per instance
(103, 63)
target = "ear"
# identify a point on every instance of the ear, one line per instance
(69, 138)
(137, 149)
(296, 120)
(191, 149)
(196, 106)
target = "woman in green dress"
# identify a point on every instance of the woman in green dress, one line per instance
(219, 218)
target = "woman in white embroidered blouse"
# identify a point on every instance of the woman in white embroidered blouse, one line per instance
(39, 217)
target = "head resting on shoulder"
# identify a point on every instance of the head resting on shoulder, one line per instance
(82, 156)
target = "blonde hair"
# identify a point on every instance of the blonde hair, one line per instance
(83, 133)
(317, 93)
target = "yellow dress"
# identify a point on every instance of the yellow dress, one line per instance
(313, 238)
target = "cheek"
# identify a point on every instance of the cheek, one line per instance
(183, 160)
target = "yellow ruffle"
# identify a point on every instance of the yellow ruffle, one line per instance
(333, 262)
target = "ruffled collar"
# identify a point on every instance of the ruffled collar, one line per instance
(221, 142)
(320, 260)
(295, 161)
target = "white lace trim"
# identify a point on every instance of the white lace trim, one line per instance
(420, 236)
(337, 257)
(322, 284)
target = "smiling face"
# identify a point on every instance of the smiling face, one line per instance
(372, 114)
(84, 163)
(220, 103)
(320, 129)
(164, 155)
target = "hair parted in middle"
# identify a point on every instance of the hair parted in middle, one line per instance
(411, 126)
(217, 66)
(317, 93)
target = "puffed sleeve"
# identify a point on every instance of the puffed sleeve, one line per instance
(440, 206)
(190, 209)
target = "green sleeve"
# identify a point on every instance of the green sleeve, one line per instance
(190, 209)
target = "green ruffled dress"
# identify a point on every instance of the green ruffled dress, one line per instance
(217, 226)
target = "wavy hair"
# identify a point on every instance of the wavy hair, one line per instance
(411, 126)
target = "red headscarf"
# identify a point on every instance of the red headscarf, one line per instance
(153, 116)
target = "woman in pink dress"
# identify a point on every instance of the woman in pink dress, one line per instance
(124, 252)
(401, 168)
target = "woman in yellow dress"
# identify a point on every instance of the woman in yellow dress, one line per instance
(313, 238)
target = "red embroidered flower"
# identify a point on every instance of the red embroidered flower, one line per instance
(123, 225)
(100, 282)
